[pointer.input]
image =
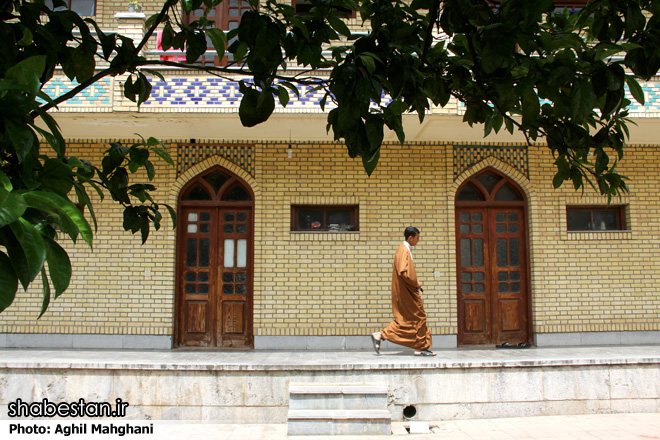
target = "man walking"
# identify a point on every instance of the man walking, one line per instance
(409, 325)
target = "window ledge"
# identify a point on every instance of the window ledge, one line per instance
(325, 236)
(599, 235)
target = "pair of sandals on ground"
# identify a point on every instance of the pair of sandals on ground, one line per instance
(377, 338)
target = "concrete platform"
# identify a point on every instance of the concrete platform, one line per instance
(252, 387)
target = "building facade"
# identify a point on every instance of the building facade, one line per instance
(282, 241)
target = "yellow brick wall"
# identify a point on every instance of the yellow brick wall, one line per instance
(339, 283)
(119, 286)
(600, 281)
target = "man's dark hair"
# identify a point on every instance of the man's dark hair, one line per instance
(410, 231)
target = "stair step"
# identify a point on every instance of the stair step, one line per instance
(337, 389)
(338, 409)
(327, 397)
(338, 414)
(339, 422)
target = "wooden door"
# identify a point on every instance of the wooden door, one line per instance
(198, 277)
(492, 262)
(235, 273)
(215, 263)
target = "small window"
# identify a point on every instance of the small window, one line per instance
(469, 194)
(237, 194)
(507, 194)
(84, 8)
(197, 193)
(595, 218)
(317, 218)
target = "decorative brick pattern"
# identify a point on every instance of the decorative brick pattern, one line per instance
(191, 154)
(466, 156)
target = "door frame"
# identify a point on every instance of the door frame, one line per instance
(178, 330)
(524, 204)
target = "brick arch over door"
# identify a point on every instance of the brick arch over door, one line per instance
(215, 261)
(492, 260)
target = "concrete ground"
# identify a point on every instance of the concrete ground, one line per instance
(585, 427)
(625, 426)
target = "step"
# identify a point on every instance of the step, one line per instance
(340, 422)
(329, 397)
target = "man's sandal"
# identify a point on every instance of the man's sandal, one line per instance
(425, 353)
(376, 343)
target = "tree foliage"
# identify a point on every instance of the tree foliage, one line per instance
(516, 65)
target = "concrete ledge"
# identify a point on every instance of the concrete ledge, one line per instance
(254, 386)
(337, 343)
(48, 340)
(317, 343)
(596, 338)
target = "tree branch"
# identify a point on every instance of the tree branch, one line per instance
(433, 17)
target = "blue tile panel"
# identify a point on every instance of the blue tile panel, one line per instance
(98, 94)
(466, 156)
(213, 93)
(216, 92)
(191, 154)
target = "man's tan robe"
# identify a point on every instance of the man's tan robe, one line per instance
(409, 325)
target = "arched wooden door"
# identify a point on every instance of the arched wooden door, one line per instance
(215, 263)
(492, 261)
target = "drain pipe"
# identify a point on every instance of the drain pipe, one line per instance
(409, 412)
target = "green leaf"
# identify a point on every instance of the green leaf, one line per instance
(635, 89)
(144, 231)
(56, 177)
(339, 25)
(368, 62)
(374, 126)
(26, 40)
(282, 95)
(12, 206)
(144, 88)
(45, 288)
(582, 100)
(83, 62)
(530, 107)
(59, 266)
(240, 52)
(151, 171)
(219, 41)
(28, 72)
(172, 215)
(291, 87)
(155, 73)
(84, 200)
(73, 221)
(57, 140)
(195, 47)
(5, 182)
(8, 282)
(605, 50)
(370, 162)
(33, 248)
(22, 138)
(163, 154)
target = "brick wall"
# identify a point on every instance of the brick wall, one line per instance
(339, 283)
